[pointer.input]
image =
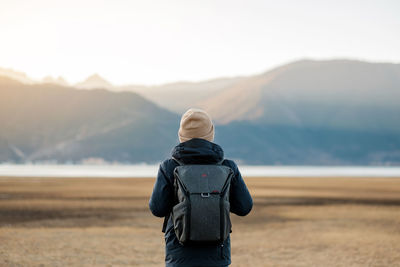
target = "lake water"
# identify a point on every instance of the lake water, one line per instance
(151, 171)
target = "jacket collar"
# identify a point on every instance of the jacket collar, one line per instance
(198, 151)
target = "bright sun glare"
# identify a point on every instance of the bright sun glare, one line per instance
(154, 42)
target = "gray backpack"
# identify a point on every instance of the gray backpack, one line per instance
(201, 215)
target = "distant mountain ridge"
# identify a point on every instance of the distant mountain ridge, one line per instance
(16, 75)
(94, 81)
(180, 96)
(165, 95)
(307, 112)
(337, 93)
(51, 122)
(58, 81)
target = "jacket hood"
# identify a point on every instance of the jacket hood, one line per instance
(198, 151)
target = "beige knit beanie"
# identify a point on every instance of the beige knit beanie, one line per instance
(196, 123)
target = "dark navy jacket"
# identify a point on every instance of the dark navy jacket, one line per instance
(196, 151)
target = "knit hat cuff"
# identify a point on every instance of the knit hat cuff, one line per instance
(209, 136)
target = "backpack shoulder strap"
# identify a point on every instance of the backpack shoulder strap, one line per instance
(178, 161)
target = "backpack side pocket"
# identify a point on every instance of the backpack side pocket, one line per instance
(179, 218)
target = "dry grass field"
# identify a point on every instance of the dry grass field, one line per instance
(106, 222)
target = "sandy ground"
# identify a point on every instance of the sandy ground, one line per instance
(106, 222)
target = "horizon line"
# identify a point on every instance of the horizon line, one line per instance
(116, 85)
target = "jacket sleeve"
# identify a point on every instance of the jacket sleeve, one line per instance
(161, 199)
(240, 198)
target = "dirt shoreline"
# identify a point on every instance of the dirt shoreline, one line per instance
(106, 222)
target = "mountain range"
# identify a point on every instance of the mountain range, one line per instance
(46, 122)
(334, 112)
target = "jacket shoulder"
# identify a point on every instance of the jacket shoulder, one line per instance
(231, 164)
(167, 163)
(167, 167)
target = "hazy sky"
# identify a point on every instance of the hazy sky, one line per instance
(160, 41)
